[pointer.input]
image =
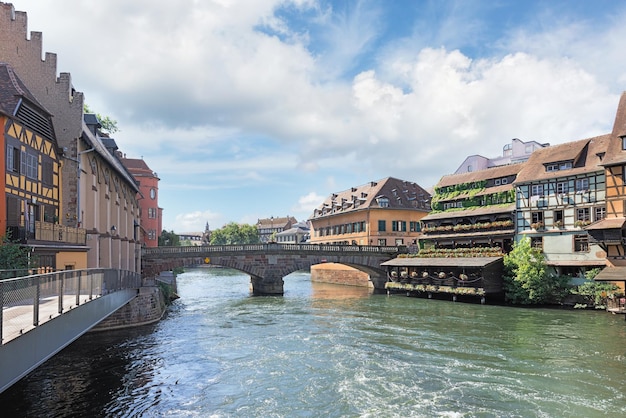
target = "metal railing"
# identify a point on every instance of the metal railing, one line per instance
(27, 302)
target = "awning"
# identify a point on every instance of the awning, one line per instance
(441, 262)
(612, 274)
(576, 263)
(607, 223)
(500, 233)
(470, 212)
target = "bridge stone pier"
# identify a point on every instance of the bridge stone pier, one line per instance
(268, 264)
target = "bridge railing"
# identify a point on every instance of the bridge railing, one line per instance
(321, 248)
(29, 301)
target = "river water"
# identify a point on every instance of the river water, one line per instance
(334, 351)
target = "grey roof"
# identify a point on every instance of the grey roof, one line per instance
(441, 262)
(115, 163)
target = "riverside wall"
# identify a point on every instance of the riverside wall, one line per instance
(147, 307)
(339, 274)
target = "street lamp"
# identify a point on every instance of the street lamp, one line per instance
(271, 228)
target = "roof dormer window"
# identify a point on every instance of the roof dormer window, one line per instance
(383, 202)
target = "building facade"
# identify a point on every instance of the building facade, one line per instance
(473, 209)
(97, 193)
(151, 214)
(383, 212)
(30, 209)
(610, 233)
(515, 152)
(561, 189)
(269, 227)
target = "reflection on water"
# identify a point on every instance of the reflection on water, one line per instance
(334, 351)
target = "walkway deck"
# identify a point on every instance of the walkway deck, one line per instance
(18, 319)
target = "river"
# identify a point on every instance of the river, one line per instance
(334, 351)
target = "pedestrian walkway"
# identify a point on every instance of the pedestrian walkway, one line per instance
(17, 319)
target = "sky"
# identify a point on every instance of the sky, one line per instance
(252, 109)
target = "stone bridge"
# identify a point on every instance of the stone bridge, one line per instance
(267, 264)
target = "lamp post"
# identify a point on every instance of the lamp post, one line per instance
(271, 228)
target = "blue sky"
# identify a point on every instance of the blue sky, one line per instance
(252, 109)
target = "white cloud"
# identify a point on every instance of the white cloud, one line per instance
(195, 221)
(306, 204)
(226, 95)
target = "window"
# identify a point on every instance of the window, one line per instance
(399, 241)
(581, 243)
(398, 226)
(31, 165)
(600, 213)
(152, 213)
(382, 226)
(382, 241)
(582, 214)
(624, 142)
(565, 166)
(13, 159)
(582, 185)
(558, 216)
(47, 171)
(537, 242)
(537, 190)
(529, 148)
(536, 217)
(383, 202)
(415, 227)
(505, 180)
(562, 187)
(552, 167)
(498, 181)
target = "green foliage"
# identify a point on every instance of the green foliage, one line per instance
(596, 293)
(470, 190)
(526, 280)
(108, 125)
(14, 256)
(234, 233)
(169, 239)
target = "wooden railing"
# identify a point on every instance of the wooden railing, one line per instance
(46, 231)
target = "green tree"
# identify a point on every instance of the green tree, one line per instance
(234, 233)
(526, 280)
(108, 125)
(169, 239)
(594, 293)
(14, 256)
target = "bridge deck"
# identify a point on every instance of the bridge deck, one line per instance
(18, 319)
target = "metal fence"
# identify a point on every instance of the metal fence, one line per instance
(29, 301)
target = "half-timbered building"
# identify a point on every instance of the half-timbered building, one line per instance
(609, 233)
(560, 190)
(31, 166)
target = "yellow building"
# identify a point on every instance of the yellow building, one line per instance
(383, 212)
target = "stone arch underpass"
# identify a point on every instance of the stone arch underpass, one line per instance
(268, 264)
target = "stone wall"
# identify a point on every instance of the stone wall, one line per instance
(147, 307)
(339, 274)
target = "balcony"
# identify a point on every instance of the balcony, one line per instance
(47, 232)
